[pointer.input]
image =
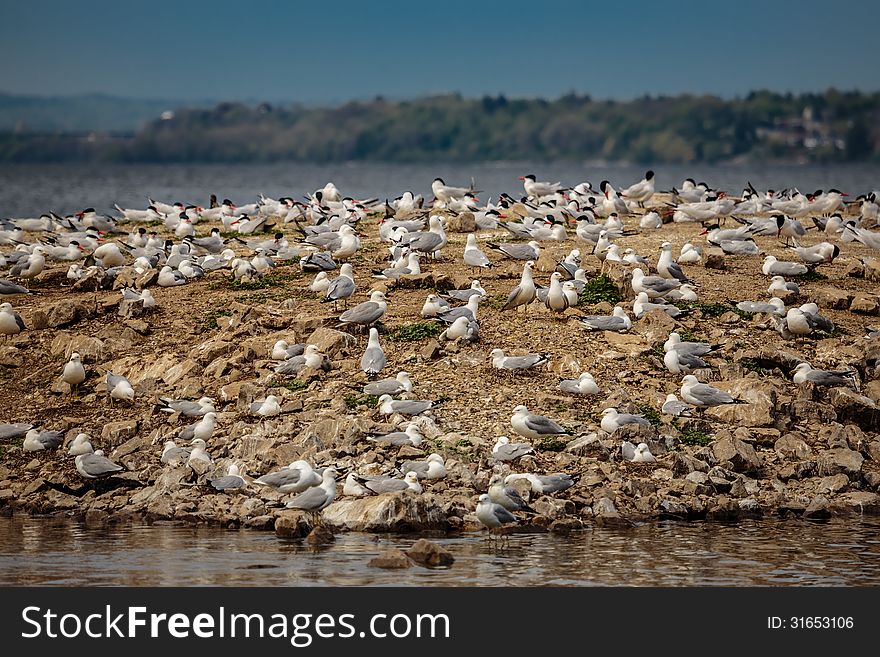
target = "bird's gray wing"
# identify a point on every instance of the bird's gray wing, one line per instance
(425, 242)
(114, 380)
(257, 405)
(709, 395)
(383, 387)
(9, 288)
(544, 426)
(285, 477)
(228, 482)
(570, 386)
(395, 438)
(9, 431)
(419, 467)
(373, 360)
(503, 515)
(604, 323)
(309, 500)
(50, 439)
(411, 407)
(175, 454)
(691, 360)
(824, 378)
(512, 451)
(450, 316)
(626, 418)
(515, 497)
(555, 483)
(386, 485)
(755, 307)
(96, 465)
(19, 321)
(340, 288)
(676, 271)
(476, 258)
(363, 313)
(291, 365)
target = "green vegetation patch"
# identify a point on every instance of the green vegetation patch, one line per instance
(601, 288)
(415, 332)
(695, 437)
(650, 414)
(355, 399)
(812, 275)
(209, 319)
(551, 444)
(293, 385)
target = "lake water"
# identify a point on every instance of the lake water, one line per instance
(29, 190)
(55, 552)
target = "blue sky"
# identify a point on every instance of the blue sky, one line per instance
(328, 51)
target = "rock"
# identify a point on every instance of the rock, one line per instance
(147, 279)
(430, 554)
(390, 559)
(818, 509)
(739, 454)
(292, 523)
(714, 260)
(67, 312)
(832, 297)
(840, 460)
(89, 349)
(792, 446)
(656, 326)
(131, 308)
(761, 409)
(856, 502)
(834, 484)
(320, 535)
(799, 470)
(331, 342)
(464, 222)
(118, 432)
(865, 304)
(628, 343)
(398, 512)
(430, 350)
(96, 518)
(854, 408)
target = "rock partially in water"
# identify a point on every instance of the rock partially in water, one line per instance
(397, 512)
(390, 559)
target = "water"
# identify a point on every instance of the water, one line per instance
(29, 190)
(42, 551)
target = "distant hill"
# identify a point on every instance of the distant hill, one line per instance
(831, 126)
(81, 113)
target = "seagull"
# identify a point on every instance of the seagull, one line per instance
(169, 277)
(506, 496)
(534, 426)
(233, 479)
(410, 436)
(612, 420)
(462, 328)
(390, 485)
(466, 293)
(643, 454)
(30, 266)
(556, 301)
(186, 407)
(80, 445)
(199, 452)
(400, 383)
(119, 387)
(690, 348)
(679, 362)
(11, 322)
(493, 515)
(774, 267)
(368, 312)
(667, 267)
(412, 268)
(524, 293)
(469, 311)
(317, 498)
(8, 289)
(473, 257)
(434, 305)
(373, 361)
(36, 440)
(342, 287)
(702, 395)
(804, 372)
(654, 286)
(431, 468)
(504, 450)
(282, 350)
(528, 251)
(672, 406)
(321, 283)
(690, 254)
(295, 478)
(174, 455)
(543, 484)
(266, 407)
(585, 384)
(310, 358)
(527, 362)
(431, 241)
(773, 307)
(824, 252)
(642, 305)
(94, 465)
(618, 321)
(778, 285)
(203, 429)
(389, 406)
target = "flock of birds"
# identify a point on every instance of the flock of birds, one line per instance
(322, 233)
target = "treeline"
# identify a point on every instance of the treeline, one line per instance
(832, 126)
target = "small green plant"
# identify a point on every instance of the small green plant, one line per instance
(415, 332)
(293, 385)
(354, 399)
(695, 437)
(601, 288)
(210, 318)
(754, 365)
(707, 309)
(551, 444)
(650, 414)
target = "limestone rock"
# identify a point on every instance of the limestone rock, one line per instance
(739, 454)
(865, 304)
(390, 559)
(331, 342)
(793, 446)
(430, 554)
(398, 512)
(840, 460)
